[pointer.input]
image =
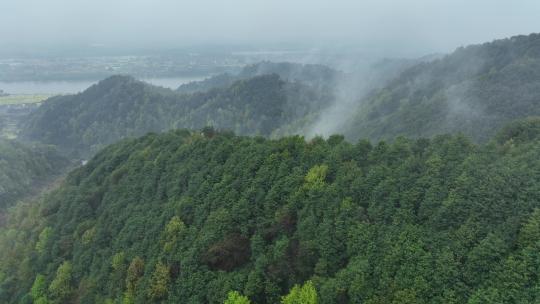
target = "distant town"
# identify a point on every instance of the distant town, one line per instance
(166, 64)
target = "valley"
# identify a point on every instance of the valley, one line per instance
(14, 109)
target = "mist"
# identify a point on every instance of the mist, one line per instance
(385, 28)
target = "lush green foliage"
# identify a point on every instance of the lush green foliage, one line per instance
(306, 294)
(121, 106)
(234, 297)
(23, 169)
(475, 90)
(301, 295)
(187, 217)
(208, 217)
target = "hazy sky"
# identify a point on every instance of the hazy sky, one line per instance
(391, 25)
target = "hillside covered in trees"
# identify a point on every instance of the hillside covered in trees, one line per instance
(199, 217)
(23, 169)
(121, 106)
(211, 217)
(475, 90)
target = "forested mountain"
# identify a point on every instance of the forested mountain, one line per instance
(121, 106)
(116, 107)
(315, 75)
(186, 217)
(24, 169)
(214, 82)
(475, 90)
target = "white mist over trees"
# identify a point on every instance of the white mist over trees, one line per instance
(315, 157)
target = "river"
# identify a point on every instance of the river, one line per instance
(71, 87)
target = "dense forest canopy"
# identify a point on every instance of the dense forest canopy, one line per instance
(120, 107)
(23, 169)
(475, 90)
(165, 214)
(205, 217)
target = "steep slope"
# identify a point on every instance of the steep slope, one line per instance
(255, 106)
(185, 217)
(24, 169)
(117, 107)
(121, 107)
(475, 90)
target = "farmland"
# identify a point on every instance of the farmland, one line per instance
(22, 99)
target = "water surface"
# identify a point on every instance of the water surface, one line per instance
(71, 87)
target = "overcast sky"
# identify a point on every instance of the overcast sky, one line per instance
(392, 25)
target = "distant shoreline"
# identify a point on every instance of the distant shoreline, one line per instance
(59, 87)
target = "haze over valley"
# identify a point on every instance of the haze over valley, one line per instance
(269, 152)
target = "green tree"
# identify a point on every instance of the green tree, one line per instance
(306, 294)
(61, 287)
(159, 285)
(43, 239)
(134, 273)
(234, 297)
(118, 261)
(39, 289)
(316, 175)
(530, 232)
(174, 231)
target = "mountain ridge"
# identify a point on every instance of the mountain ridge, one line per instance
(475, 90)
(121, 106)
(156, 218)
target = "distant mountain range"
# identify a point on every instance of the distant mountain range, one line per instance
(121, 106)
(203, 215)
(475, 91)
